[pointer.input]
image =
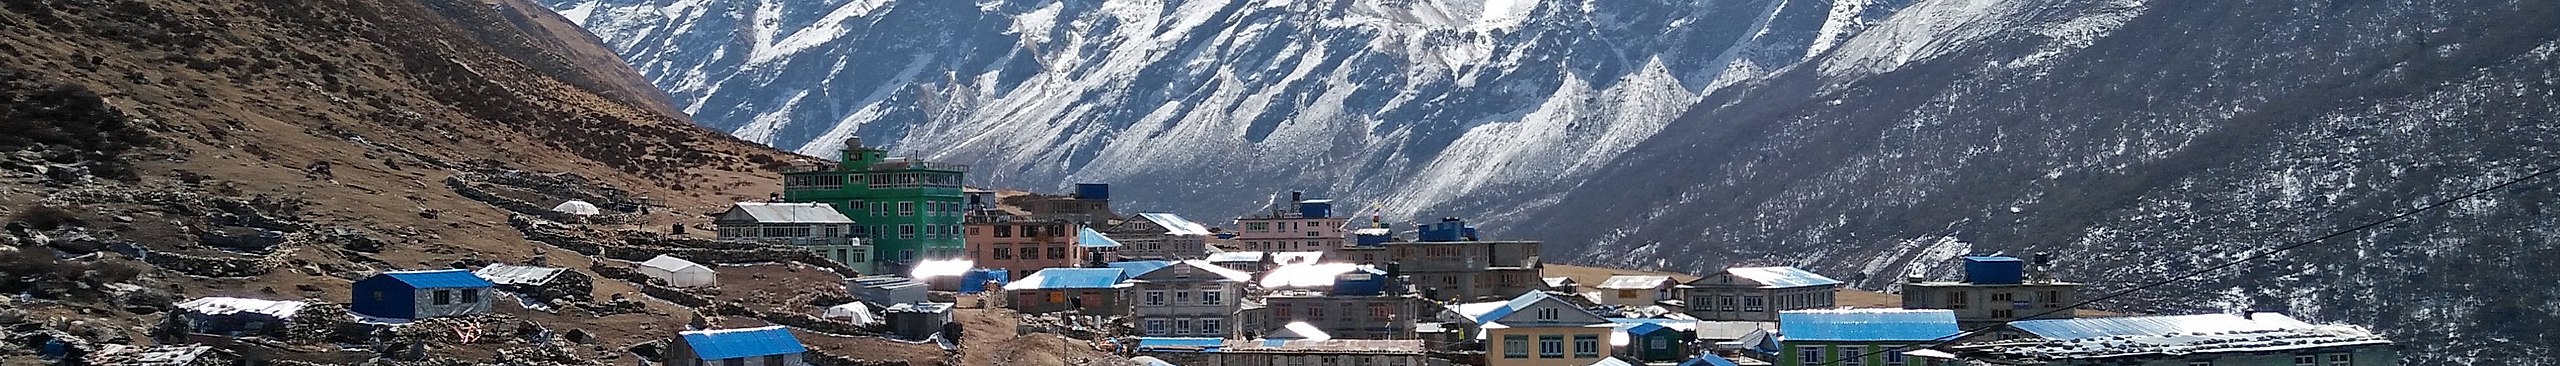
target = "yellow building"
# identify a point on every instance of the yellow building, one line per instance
(1535, 329)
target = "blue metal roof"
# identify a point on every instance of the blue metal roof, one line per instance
(450, 278)
(1781, 277)
(722, 344)
(1138, 268)
(1708, 360)
(1866, 325)
(1068, 278)
(2140, 325)
(1517, 303)
(1647, 328)
(1181, 343)
(1088, 238)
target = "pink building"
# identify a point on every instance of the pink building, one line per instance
(1303, 225)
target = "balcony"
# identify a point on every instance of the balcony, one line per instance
(917, 164)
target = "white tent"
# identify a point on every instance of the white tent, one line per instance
(854, 312)
(679, 272)
(577, 207)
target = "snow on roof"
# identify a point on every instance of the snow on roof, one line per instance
(721, 344)
(940, 268)
(1477, 310)
(1930, 353)
(1866, 325)
(1229, 257)
(577, 207)
(1175, 224)
(509, 274)
(1627, 282)
(130, 355)
(671, 263)
(234, 305)
(1221, 271)
(1296, 257)
(1731, 329)
(1068, 278)
(443, 278)
(792, 213)
(1086, 237)
(1305, 275)
(1299, 330)
(2176, 335)
(1374, 231)
(1781, 277)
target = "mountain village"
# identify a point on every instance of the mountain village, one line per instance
(1300, 282)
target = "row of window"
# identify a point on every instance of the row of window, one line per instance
(1157, 298)
(1183, 327)
(1338, 360)
(1266, 226)
(1959, 299)
(1028, 252)
(1378, 311)
(1851, 355)
(908, 208)
(1551, 346)
(910, 231)
(1755, 303)
(1007, 231)
(2334, 359)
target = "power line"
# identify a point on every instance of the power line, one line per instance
(1940, 341)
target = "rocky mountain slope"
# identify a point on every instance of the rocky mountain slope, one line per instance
(1194, 102)
(164, 150)
(2137, 140)
(1871, 139)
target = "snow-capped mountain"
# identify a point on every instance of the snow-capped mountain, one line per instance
(1189, 105)
(1871, 140)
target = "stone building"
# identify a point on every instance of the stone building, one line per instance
(1187, 299)
(1995, 290)
(1757, 293)
(816, 226)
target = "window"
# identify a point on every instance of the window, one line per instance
(1212, 327)
(1658, 344)
(2051, 299)
(377, 296)
(1626, 294)
(773, 359)
(1726, 303)
(1955, 300)
(1548, 314)
(2001, 313)
(1182, 326)
(906, 231)
(1155, 327)
(1155, 298)
(1057, 252)
(444, 297)
(1586, 346)
(1210, 298)
(1809, 355)
(1753, 303)
(1181, 297)
(1004, 231)
(1999, 297)
(2306, 360)
(742, 361)
(906, 209)
(1853, 356)
(1003, 252)
(1550, 346)
(470, 296)
(1030, 253)
(1893, 356)
(2341, 359)
(976, 231)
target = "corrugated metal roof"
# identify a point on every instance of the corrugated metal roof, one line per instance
(1731, 329)
(1068, 278)
(1866, 325)
(710, 345)
(2086, 328)
(234, 305)
(671, 263)
(1516, 303)
(1086, 237)
(1296, 257)
(445, 278)
(509, 274)
(792, 213)
(1782, 277)
(1175, 224)
(1137, 268)
(1626, 282)
(1180, 344)
(1708, 360)
(1558, 281)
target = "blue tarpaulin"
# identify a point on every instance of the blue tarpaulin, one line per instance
(1068, 278)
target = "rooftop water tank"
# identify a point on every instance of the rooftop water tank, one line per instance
(1093, 191)
(1988, 270)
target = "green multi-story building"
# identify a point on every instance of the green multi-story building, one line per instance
(908, 209)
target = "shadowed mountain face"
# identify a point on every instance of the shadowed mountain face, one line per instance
(1868, 140)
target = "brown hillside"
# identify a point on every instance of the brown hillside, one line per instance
(162, 150)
